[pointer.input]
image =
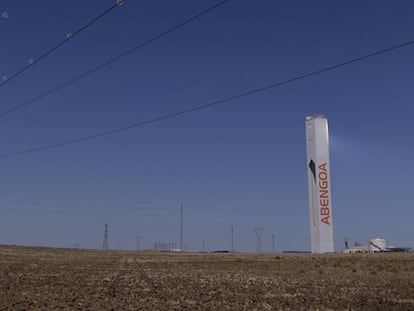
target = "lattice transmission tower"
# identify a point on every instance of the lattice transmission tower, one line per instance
(105, 241)
(258, 232)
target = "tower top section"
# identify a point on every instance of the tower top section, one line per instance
(315, 116)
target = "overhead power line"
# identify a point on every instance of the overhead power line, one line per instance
(208, 105)
(112, 60)
(69, 36)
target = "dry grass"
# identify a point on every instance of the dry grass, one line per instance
(50, 279)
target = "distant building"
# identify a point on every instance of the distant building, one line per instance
(356, 249)
(377, 245)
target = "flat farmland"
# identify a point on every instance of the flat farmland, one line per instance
(63, 279)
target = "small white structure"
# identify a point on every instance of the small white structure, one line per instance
(374, 246)
(378, 245)
(356, 249)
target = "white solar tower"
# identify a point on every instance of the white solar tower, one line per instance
(319, 183)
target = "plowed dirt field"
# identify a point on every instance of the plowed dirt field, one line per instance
(58, 279)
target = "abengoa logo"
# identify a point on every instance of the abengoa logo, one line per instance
(323, 182)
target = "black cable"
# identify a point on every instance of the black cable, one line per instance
(61, 43)
(113, 60)
(214, 103)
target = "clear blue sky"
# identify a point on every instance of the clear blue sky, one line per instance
(242, 164)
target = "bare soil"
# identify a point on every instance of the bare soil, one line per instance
(59, 279)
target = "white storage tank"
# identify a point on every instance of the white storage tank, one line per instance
(378, 245)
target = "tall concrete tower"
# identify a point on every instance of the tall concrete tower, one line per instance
(319, 183)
